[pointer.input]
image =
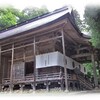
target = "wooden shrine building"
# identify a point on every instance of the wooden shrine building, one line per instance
(46, 52)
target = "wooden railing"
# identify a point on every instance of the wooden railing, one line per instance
(51, 76)
(42, 77)
(6, 81)
(29, 77)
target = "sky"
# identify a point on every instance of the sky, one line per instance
(79, 5)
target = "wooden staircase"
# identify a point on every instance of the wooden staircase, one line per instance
(86, 83)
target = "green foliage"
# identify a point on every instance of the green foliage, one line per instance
(89, 69)
(77, 19)
(10, 16)
(80, 23)
(92, 18)
(7, 17)
(31, 12)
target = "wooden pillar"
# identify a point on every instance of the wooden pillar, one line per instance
(62, 81)
(0, 71)
(33, 86)
(11, 71)
(94, 70)
(24, 60)
(64, 59)
(47, 86)
(34, 48)
(21, 87)
(2, 88)
(3, 68)
(62, 85)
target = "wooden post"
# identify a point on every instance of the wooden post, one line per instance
(21, 87)
(47, 86)
(11, 71)
(3, 68)
(0, 71)
(62, 85)
(24, 55)
(24, 61)
(34, 66)
(94, 70)
(33, 86)
(65, 69)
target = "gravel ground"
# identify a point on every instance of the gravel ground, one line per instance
(54, 91)
(51, 92)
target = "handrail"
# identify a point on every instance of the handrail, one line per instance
(85, 82)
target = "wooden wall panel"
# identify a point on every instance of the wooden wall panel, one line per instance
(18, 70)
(55, 69)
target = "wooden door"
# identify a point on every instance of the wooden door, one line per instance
(19, 70)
